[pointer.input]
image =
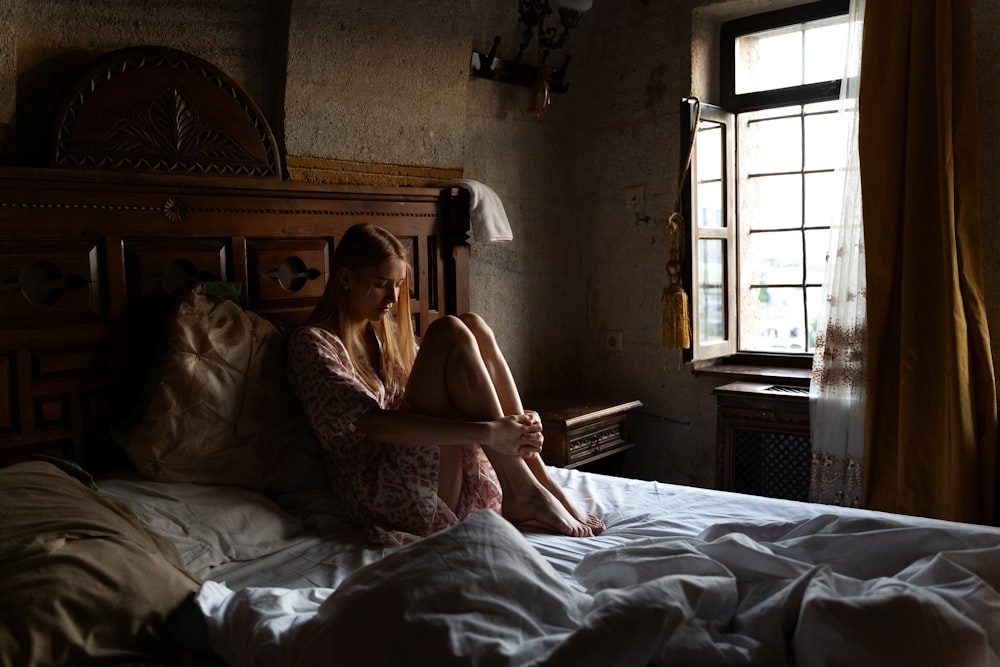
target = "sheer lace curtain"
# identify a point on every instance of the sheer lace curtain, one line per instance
(837, 394)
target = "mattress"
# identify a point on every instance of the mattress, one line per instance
(682, 575)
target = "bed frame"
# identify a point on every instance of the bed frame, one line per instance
(165, 174)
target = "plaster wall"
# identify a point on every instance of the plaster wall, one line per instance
(388, 82)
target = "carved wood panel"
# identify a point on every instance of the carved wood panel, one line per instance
(159, 109)
(50, 282)
(287, 276)
(163, 269)
(57, 401)
(426, 288)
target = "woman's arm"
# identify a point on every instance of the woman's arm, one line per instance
(515, 435)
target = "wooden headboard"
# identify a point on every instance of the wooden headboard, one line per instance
(92, 257)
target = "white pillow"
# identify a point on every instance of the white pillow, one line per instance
(209, 525)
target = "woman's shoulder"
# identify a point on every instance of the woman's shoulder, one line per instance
(306, 337)
(306, 332)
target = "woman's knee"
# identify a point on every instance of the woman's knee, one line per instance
(477, 325)
(449, 328)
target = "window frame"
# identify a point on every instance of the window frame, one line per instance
(695, 113)
(731, 104)
(731, 30)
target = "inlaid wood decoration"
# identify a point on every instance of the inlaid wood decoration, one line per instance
(149, 195)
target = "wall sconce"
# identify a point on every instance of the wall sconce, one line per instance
(533, 15)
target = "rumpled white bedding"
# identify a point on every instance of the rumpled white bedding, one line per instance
(682, 576)
(209, 525)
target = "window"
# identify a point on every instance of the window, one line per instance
(765, 182)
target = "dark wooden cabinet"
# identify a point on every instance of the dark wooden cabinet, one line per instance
(581, 432)
(764, 445)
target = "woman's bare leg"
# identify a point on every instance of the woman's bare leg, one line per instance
(510, 402)
(450, 379)
(537, 467)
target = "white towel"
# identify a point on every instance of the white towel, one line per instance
(488, 219)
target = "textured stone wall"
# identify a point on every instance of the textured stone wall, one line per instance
(402, 75)
(56, 42)
(8, 81)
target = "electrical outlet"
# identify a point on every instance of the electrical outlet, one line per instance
(613, 341)
(633, 198)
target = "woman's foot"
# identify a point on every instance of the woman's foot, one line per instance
(537, 468)
(537, 508)
(596, 525)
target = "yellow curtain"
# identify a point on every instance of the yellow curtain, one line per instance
(931, 424)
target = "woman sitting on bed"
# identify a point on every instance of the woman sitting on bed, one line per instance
(415, 441)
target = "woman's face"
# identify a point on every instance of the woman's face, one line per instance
(373, 291)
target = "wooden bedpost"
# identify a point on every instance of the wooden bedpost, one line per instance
(457, 273)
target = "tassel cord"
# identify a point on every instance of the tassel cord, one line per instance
(675, 325)
(675, 223)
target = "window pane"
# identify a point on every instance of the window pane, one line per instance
(809, 52)
(823, 198)
(776, 321)
(825, 145)
(817, 246)
(826, 49)
(772, 202)
(711, 290)
(772, 258)
(789, 174)
(708, 195)
(769, 59)
(709, 147)
(770, 146)
(816, 303)
(709, 200)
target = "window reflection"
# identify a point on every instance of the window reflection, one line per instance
(711, 286)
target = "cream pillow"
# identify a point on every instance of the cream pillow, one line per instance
(223, 410)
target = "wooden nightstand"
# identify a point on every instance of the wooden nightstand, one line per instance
(579, 432)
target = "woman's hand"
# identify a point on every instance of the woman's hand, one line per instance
(516, 435)
(535, 419)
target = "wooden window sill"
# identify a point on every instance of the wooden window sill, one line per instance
(734, 372)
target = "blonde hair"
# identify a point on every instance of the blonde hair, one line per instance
(363, 246)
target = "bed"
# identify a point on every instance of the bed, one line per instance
(165, 503)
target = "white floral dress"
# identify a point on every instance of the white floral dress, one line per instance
(389, 489)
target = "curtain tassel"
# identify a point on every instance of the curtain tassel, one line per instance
(675, 325)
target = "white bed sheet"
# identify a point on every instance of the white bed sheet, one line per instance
(681, 576)
(304, 539)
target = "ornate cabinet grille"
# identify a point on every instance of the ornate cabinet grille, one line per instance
(764, 445)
